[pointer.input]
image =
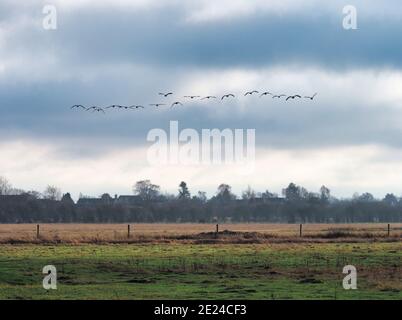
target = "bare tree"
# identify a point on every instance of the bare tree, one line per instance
(146, 190)
(183, 191)
(52, 193)
(325, 194)
(366, 197)
(295, 193)
(391, 199)
(201, 196)
(248, 194)
(268, 195)
(34, 194)
(224, 193)
(5, 186)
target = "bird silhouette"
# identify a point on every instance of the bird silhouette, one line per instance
(177, 103)
(265, 94)
(293, 97)
(78, 106)
(96, 109)
(192, 97)
(312, 97)
(115, 106)
(228, 96)
(250, 93)
(165, 94)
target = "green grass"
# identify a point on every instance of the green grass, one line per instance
(184, 271)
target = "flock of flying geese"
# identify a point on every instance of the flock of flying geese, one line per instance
(178, 103)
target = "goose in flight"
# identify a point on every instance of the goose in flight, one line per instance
(278, 96)
(209, 97)
(293, 97)
(96, 109)
(137, 107)
(130, 107)
(115, 106)
(78, 106)
(250, 93)
(177, 103)
(192, 97)
(125, 107)
(228, 96)
(165, 94)
(312, 97)
(265, 94)
(157, 104)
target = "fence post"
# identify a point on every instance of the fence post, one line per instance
(217, 229)
(37, 231)
(389, 229)
(128, 231)
(301, 230)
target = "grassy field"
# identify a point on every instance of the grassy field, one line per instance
(188, 271)
(77, 233)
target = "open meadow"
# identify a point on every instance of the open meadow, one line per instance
(191, 261)
(188, 271)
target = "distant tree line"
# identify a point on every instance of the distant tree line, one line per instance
(149, 204)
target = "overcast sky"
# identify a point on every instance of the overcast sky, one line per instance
(126, 51)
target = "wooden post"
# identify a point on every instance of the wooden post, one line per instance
(37, 231)
(389, 229)
(128, 231)
(217, 228)
(301, 230)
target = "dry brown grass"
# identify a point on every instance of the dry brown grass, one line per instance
(198, 233)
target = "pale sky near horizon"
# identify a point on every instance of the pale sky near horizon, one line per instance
(124, 52)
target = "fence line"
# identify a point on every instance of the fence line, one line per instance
(130, 228)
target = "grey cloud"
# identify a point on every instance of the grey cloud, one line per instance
(163, 39)
(98, 36)
(97, 50)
